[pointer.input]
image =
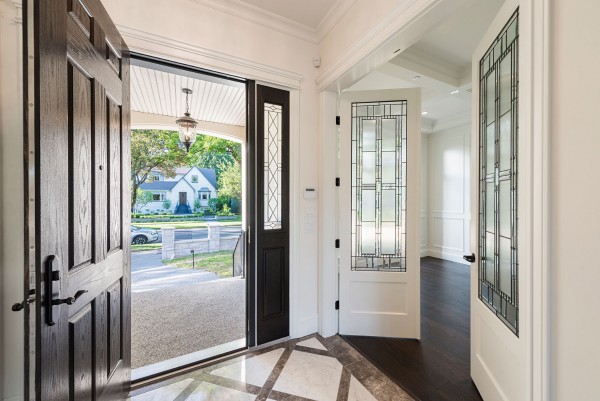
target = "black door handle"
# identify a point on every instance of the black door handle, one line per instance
(469, 258)
(69, 300)
(51, 276)
(20, 306)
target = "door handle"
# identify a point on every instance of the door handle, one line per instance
(51, 276)
(69, 300)
(470, 258)
(20, 306)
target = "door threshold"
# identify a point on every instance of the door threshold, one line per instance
(164, 368)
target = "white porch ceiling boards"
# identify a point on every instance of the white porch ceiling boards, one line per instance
(159, 92)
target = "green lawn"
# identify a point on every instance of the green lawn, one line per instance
(145, 247)
(183, 224)
(220, 263)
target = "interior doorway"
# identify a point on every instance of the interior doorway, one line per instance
(439, 66)
(189, 278)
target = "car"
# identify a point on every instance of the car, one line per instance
(143, 235)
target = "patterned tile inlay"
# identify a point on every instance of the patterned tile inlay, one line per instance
(311, 376)
(358, 392)
(321, 369)
(213, 392)
(312, 343)
(169, 392)
(255, 370)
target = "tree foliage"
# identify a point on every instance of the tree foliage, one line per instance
(216, 153)
(153, 149)
(142, 198)
(230, 182)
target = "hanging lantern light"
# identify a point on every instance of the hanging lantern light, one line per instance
(187, 125)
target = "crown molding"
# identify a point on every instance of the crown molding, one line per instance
(333, 16)
(256, 15)
(207, 58)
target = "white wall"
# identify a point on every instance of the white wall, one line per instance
(446, 188)
(11, 202)
(574, 200)
(198, 35)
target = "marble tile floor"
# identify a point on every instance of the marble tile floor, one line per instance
(309, 368)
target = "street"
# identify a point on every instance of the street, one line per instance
(182, 234)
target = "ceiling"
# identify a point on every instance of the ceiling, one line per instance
(213, 99)
(439, 63)
(305, 12)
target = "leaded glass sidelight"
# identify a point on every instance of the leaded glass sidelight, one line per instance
(379, 186)
(498, 176)
(272, 166)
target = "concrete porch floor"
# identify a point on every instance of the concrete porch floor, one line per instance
(180, 311)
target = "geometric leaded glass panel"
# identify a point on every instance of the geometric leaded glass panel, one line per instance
(498, 176)
(379, 186)
(272, 166)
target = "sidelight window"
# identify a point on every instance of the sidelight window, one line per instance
(272, 165)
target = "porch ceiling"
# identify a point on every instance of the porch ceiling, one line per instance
(159, 92)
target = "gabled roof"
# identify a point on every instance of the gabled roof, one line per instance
(211, 176)
(158, 185)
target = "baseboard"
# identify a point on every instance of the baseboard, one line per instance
(306, 326)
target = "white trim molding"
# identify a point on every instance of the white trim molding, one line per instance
(257, 15)
(139, 41)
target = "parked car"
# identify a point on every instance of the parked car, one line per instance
(143, 235)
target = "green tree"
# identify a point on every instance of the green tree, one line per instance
(216, 153)
(230, 182)
(143, 198)
(153, 149)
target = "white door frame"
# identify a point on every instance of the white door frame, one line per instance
(354, 65)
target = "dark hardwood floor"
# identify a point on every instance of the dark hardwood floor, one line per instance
(437, 367)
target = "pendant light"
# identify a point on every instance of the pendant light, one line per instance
(187, 125)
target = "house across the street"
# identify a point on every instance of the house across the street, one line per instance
(188, 185)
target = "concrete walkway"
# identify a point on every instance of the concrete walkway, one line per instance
(148, 273)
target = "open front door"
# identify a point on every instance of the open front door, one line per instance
(82, 203)
(379, 213)
(500, 283)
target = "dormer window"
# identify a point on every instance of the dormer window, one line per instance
(156, 177)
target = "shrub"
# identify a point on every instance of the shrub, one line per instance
(167, 204)
(197, 205)
(226, 211)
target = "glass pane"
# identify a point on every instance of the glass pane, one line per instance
(491, 148)
(505, 266)
(388, 135)
(505, 141)
(505, 208)
(388, 167)
(272, 166)
(378, 190)
(498, 175)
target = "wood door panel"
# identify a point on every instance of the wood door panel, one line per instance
(114, 326)
(81, 349)
(80, 174)
(82, 199)
(100, 145)
(273, 282)
(114, 175)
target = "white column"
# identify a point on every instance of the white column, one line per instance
(168, 244)
(214, 236)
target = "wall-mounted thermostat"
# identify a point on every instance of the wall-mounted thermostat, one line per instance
(310, 193)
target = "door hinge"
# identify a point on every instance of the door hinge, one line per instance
(337, 305)
(337, 181)
(337, 243)
(337, 120)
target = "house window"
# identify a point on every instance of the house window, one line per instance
(156, 177)
(205, 196)
(158, 197)
(194, 179)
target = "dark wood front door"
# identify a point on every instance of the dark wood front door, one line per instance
(272, 213)
(183, 198)
(82, 203)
